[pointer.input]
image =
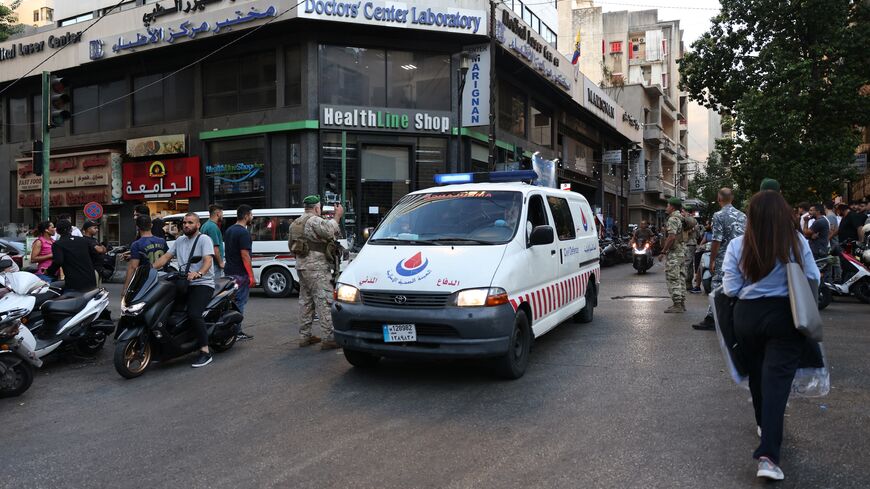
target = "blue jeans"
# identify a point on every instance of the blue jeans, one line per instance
(244, 291)
(46, 278)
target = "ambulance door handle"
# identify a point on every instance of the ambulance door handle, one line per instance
(552, 252)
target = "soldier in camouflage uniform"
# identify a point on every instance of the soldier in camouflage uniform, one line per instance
(691, 241)
(675, 251)
(728, 223)
(315, 270)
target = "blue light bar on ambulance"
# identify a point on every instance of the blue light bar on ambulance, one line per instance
(480, 177)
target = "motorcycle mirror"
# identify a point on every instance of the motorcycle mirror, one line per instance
(5, 263)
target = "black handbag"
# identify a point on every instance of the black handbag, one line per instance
(724, 311)
(182, 283)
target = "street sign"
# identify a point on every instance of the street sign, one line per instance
(565, 186)
(613, 157)
(93, 210)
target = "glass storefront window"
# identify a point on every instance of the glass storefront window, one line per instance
(236, 172)
(418, 80)
(17, 118)
(163, 100)
(542, 126)
(352, 76)
(99, 107)
(511, 109)
(238, 84)
(384, 78)
(431, 160)
(292, 75)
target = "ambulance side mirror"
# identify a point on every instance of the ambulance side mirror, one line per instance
(366, 234)
(542, 235)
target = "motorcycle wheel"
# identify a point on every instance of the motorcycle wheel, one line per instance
(862, 290)
(222, 346)
(132, 358)
(825, 297)
(23, 373)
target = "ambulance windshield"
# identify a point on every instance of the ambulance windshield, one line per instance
(443, 218)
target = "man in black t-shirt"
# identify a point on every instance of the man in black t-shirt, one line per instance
(818, 232)
(89, 232)
(75, 257)
(849, 224)
(237, 264)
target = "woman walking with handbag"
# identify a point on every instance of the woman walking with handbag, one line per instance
(755, 273)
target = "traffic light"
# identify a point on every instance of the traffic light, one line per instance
(58, 87)
(332, 182)
(36, 157)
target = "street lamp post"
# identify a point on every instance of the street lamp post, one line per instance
(462, 71)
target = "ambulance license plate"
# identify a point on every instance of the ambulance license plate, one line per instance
(394, 333)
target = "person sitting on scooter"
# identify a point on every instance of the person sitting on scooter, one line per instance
(75, 257)
(201, 276)
(642, 233)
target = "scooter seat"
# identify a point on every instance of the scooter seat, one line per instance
(68, 303)
(222, 284)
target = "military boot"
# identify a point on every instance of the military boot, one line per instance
(678, 307)
(329, 344)
(308, 341)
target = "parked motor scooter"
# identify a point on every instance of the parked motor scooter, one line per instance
(74, 320)
(642, 256)
(856, 276)
(609, 254)
(154, 322)
(706, 274)
(826, 290)
(17, 356)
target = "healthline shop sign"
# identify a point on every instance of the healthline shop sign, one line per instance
(381, 119)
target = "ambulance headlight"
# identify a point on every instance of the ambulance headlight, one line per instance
(346, 293)
(489, 296)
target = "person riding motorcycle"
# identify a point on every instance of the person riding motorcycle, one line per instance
(642, 233)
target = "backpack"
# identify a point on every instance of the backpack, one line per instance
(299, 245)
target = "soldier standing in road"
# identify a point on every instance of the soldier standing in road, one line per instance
(728, 223)
(675, 251)
(310, 236)
(690, 239)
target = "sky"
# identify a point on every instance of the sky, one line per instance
(694, 17)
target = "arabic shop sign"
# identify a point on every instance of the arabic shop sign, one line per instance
(162, 179)
(187, 29)
(529, 47)
(25, 49)
(388, 120)
(400, 14)
(177, 6)
(74, 180)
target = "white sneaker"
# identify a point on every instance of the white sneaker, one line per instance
(759, 431)
(769, 470)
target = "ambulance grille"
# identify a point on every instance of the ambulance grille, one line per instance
(410, 300)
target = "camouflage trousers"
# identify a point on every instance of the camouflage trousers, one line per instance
(675, 273)
(718, 273)
(690, 265)
(315, 295)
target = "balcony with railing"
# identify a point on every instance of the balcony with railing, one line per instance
(652, 132)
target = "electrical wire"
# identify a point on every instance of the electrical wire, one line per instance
(61, 48)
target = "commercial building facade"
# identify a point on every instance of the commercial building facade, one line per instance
(261, 103)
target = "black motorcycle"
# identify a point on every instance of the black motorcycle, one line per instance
(109, 261)
(154, 324)
(642, 256)
(609, 252)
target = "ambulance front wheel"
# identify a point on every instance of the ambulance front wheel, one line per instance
(587, 313)
(513, 364)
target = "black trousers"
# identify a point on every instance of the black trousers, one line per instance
(772, 349)
(197, 299)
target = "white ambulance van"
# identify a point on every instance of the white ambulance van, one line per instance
(469, 271)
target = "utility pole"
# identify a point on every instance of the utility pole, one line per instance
(492, 85)
(46, 143)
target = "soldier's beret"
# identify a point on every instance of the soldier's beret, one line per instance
(675, 201)
(311, 200)
(769, 184)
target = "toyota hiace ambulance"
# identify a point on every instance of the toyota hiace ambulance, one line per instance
(469, 271)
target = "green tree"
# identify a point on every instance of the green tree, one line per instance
(9, 20)
(717, 173)
(790, 72)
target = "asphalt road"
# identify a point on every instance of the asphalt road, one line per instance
(635, 399)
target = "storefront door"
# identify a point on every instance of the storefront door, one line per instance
(385, 177)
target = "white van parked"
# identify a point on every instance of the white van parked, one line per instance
(273, 265)
(468, 271)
